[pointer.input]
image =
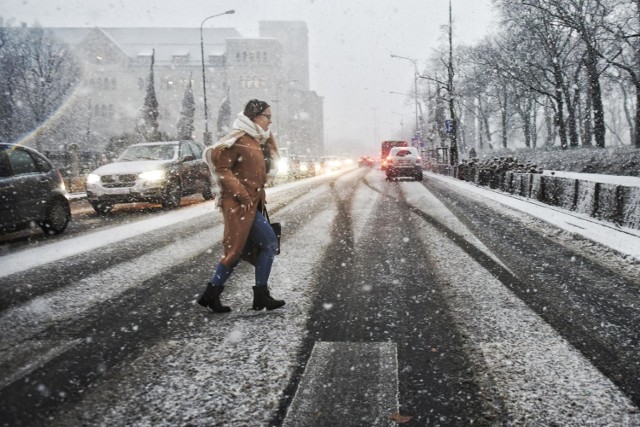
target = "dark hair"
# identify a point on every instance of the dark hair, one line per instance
(254, 108)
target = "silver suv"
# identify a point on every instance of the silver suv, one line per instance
(404, 162)
(156, 172)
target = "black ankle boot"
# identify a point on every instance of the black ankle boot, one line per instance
(262, 299)
(211, 298)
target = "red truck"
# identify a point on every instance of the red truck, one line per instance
(386, 147)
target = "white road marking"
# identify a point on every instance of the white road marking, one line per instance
(29, 356)
(347, 383)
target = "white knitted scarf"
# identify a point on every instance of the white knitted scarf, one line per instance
(243, 124)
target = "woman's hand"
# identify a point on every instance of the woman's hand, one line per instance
(246, 207)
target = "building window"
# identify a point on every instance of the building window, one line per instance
(144, 60)
(217, 60)
(238, 57)
(264, 57)
(110, 110)
(244, 56)
(180, 59)
(113, 83)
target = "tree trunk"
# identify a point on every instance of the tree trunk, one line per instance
(637, 124)
(560, 123)
(479, 136)
(550, 125)
(599, 129)
(503, 118)
(534, 123)
(636, 83)
(587, 135)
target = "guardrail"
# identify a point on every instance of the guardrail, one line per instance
(616, 203)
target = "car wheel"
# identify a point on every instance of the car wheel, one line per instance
(57, 217)
(102, 208)
(207, 193)
(172, 195)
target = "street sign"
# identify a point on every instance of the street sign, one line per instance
(448, 125)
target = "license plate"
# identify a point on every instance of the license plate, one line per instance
(119, 190)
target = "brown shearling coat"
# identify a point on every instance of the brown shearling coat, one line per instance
(242, 175)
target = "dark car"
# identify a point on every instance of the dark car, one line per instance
(31, 191)
(156, 172)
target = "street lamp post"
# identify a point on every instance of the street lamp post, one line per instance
(415, 81)
(207, 136)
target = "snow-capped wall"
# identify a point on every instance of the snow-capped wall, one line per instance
(616, 203)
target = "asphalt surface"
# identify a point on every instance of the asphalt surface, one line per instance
(376, 291)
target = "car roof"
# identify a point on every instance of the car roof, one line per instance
(412, 149)
(7, 145)
(155, 143)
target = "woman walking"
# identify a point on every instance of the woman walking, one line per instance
(240, 162)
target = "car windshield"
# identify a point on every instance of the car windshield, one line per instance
(403, 153)
(149, 152)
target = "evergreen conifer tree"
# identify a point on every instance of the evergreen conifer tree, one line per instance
(185, 126)
(148, 122)
(224, 116)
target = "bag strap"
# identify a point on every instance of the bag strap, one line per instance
(263, 210)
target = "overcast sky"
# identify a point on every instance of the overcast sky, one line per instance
(350, 43)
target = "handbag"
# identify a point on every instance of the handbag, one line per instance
(251, 249)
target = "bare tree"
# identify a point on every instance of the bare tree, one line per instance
(588, 19)
(37, 74)
(623, 52)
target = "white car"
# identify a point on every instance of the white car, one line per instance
(156, 172)
(404, 162)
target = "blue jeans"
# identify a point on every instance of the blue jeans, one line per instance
(262, 234)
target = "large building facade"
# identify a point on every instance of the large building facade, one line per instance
(116, 67)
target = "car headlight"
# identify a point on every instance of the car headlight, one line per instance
(154, 175)
(92, 178)
(283, 166)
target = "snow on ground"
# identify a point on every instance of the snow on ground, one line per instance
(538, 376)
(621, 239)
(231, 369)
(236, 360)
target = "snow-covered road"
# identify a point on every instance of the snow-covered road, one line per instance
(125, 344)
